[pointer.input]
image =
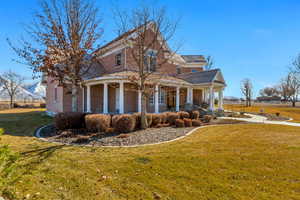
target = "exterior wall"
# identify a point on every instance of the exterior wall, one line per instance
(166, 68)
(53, 105)
(97, 98)
(109, 62)
(64, 98)
(111, 98)
(130, 98)
(197, 97)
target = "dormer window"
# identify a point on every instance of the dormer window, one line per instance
(118, 59)
(150, 61)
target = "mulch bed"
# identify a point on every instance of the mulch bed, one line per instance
(139, 137)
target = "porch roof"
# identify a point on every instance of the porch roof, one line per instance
(204, 77)
(129, 75)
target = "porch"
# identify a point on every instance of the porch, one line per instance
(121, 96)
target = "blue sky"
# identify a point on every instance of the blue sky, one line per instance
(254, 39)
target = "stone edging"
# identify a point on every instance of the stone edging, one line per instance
(38, 135)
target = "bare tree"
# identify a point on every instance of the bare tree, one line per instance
(209, 63)
(11, 84)
(247, 90)
(269, 91)
(291, 87)
(65, 34)
(149, 47)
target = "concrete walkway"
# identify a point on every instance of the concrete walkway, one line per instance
(261, 119)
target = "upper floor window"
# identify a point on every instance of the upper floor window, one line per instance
(150, 61)
(118, 59)
(178, 70)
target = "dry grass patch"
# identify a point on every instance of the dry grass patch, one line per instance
(247, 161)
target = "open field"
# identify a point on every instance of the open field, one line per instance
(248, 161)
(283, 109)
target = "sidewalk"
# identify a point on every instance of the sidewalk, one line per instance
(261, 119)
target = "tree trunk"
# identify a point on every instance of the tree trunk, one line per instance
(11, 103)
(74, 98)
(294, 103)
(144, 122)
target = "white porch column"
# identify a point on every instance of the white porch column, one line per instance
(211, 98)
(177, 98)
(191, 96)
(156, 103)
(105, 98)
(88, 98)
(82, 90)
(139, 101)
(188, 95)
(221, 99)
(203, 95)
(121, 108)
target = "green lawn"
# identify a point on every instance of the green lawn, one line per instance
(221, 162)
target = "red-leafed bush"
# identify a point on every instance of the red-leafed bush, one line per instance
(156, 119)
(183, 114)
(187, 122)
(171, 117)
(179, 123)
(97, 122)
(69, 120)
(196, 122)
(207, 118)
(125, 123)
(195, 114)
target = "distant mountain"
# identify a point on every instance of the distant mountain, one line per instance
(31, 92)
(37, 88)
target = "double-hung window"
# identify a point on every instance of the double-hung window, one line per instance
(150, 60)
(162, 96)
(118, 59)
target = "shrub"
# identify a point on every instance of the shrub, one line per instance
(156, 119)
(114, 120)
(187, 122)
(196, 122)
(207, 118)
(163, 117)
(179, 123)
(183, 114)
(195, 114)
(110, 130)
(149, 119)
(69, 120)
(97, 122)
(171, 117)
(125, 123)
(138, 120)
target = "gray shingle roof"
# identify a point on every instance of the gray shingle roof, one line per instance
(200, 77)
(194, 58)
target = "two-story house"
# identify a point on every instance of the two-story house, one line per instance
(108, 89)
